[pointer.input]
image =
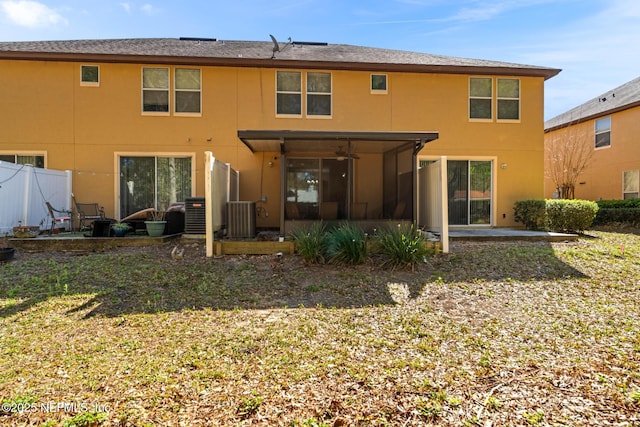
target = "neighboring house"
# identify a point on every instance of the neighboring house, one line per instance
(609, 127)
(315, 130)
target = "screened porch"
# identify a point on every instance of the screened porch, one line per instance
(368, 177)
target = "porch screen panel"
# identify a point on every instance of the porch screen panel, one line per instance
(458, 185)
(137, 184)
(389, 180)
(335, 182)
(303, 189)
(405, 183)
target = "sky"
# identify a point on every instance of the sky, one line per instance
(594, 42)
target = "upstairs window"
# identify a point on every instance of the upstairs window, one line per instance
(155, 90)
(508, 99)
(318, 94)
(480, 97)
(289, 93)
(603, 133)
(187, 96)
(379, 83)
(89, 75)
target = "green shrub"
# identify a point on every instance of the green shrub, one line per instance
(346, 245)
(402, 245)
(531, 213)
(617, 216)
(616, 212)
(619, 204)
(570, 215)
(311, 242)
(556, 215)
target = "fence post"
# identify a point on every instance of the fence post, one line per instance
(26, 207)
(208, 186)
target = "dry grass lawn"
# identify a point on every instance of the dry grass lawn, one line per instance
(493, 334)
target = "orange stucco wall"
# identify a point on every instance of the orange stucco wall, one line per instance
(44, 108)
(602, 179)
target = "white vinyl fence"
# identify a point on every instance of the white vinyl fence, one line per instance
(433, 212)
(221, 183)
(24, 191)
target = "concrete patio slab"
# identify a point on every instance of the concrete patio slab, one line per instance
(505, 234)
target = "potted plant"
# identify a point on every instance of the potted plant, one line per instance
(6, 252)
(120, 229)
(26, 231)
(155, 226)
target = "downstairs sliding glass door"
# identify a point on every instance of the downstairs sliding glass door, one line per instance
(469, 185)
(153, 182)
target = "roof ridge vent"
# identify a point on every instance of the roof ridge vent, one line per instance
(198, 39)
(299, 43)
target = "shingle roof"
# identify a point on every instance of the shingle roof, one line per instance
(258, 53)
(620, 98)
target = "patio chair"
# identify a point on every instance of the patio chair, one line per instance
(66, 218)
(87, 213)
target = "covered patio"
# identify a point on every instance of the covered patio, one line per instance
(369, 177)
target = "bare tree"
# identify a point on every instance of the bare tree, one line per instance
(569, 151)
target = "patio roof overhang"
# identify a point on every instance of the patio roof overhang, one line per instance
(305, 141)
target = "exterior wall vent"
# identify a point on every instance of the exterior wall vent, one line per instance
(241, 219)
(195, 216)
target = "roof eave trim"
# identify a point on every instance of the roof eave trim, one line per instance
(592, 116)
(353, 135)
(547, 73)
(417, 139)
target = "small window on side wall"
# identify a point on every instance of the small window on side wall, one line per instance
(603, 133)
(379, 83)
(89, 75)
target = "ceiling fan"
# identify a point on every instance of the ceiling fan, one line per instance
(341, 154)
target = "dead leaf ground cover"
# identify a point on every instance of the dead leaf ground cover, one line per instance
(492, 334)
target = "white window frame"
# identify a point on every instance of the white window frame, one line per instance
(167, 89)
(635, 192)
(601, 132)
(386, 84)
(490, 98)
(304, 93)
(299, 93)
(17, 154)
(89, 83)
(176, 90)
(317, 93)
(504, 98)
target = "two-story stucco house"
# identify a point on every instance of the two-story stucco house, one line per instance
(315, 130)
(609, 127)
